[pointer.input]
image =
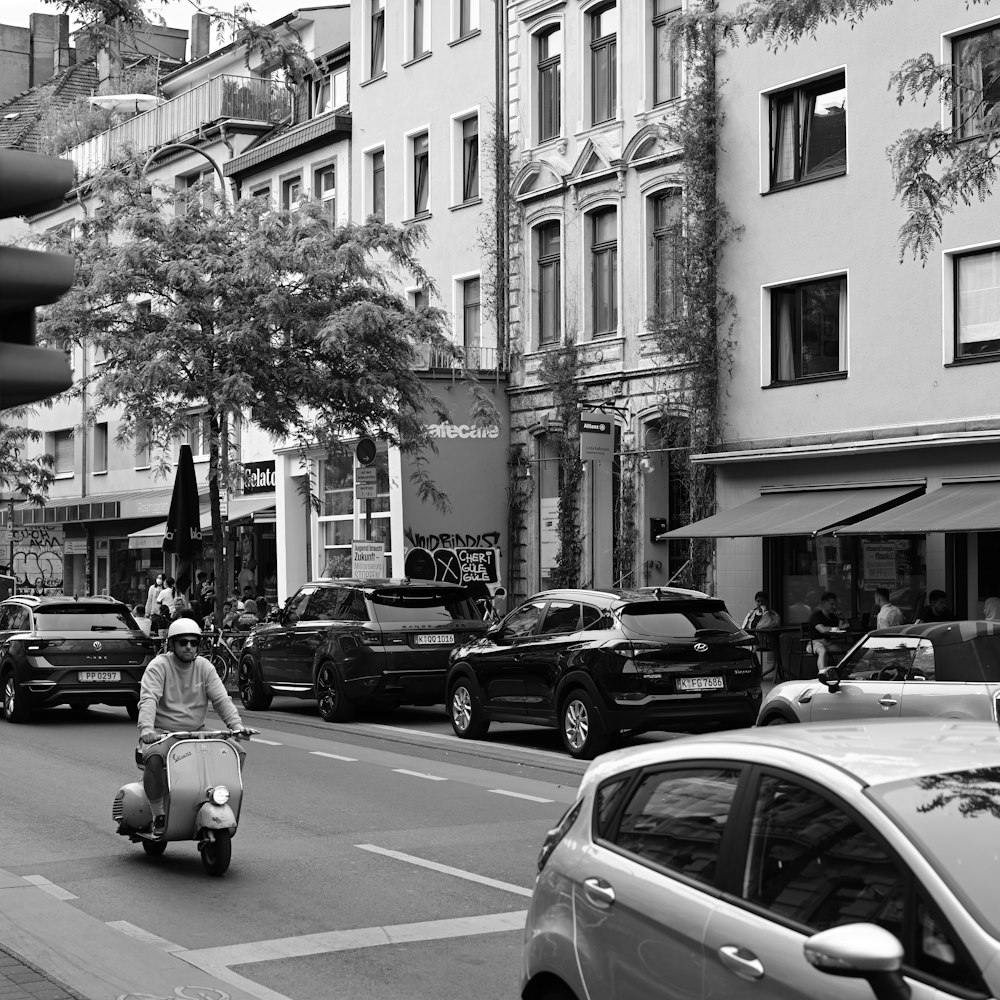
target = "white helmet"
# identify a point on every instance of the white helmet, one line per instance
(183, 626)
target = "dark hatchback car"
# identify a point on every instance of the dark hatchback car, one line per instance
(349, 643)
(61, 651)
(598, 664)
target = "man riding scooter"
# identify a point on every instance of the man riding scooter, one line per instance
(177, 687)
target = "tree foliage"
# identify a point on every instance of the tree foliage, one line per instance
(239, 311)
(23, 472)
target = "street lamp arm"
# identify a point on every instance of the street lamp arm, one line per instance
(194, 149)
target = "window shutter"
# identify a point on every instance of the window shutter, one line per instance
(64, 451)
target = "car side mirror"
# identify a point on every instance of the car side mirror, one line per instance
(289, 617)
(860, 951)
(495, 630)
(830, 677)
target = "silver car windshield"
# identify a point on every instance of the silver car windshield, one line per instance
(954, 821)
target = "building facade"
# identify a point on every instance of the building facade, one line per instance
(861, 419)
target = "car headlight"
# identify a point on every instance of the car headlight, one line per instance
(218, 795)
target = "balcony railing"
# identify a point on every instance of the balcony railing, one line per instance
(475, 359)
(223, 97)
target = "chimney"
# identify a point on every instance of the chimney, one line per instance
(201, 33)
(49, 46)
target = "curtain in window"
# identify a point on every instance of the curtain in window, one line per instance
(785, 337)
(978, 296)
(783, 130)
(420, 183)
(418, 28)
(470, 178)
(471, 319)
(378, 40)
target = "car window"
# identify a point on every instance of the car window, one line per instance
(560, 618)
(297, 605)
(811, 862)
(606, 803)
(351, 607)
(888, 657)
(652, 619)
(20, 619)
(593, 617)
(80, 618)
(424, 606)
(322, 605)
(4, 617)
(937, 951)
(676, 819)
(522, 621)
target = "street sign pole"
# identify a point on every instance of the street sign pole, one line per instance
(365, 480)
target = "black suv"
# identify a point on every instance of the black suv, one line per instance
(598, 664)
(63, 651)
(353, 642)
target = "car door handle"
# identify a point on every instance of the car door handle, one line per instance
(887, 701)
(599, 892)
(744, 963)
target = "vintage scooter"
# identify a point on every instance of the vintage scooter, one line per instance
(204, 795)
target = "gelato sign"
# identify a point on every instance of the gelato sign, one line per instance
(446, 429)
(258, 477)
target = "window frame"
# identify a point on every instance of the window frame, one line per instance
(545, 261)
(62, 436)
(467, 19)
(470, 177)
(966, 128)
(604, 46)
(797, 288)
(328, 198)
(795, 96)
(675, 63)
(102, 447)
(376, 176)
(957, 258)
(419, 25)
(376, 41)
(290, 184)
(420, 166)
(595, 251)
(665, 238)
(548, 72)
(327, 84)
(468, 307)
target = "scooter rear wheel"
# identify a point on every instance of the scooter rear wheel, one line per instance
(154, 848)
(216, 854)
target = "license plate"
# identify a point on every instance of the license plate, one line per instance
(437, 639)
(699, 683)
(99, 676)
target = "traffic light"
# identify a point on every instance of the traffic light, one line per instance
(30, 183)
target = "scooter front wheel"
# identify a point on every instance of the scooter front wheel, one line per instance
(216, 854)
(154, 848)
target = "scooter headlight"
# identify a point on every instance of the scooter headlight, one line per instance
(218, 795)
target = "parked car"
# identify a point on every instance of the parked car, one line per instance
(599, 664)
(349, 643)
(750, 863)
(66, 651)
(949, 669)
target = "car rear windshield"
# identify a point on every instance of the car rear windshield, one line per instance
(70, 618)
(654, 619)
(953, 820)
(424, 607)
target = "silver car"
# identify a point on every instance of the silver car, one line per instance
(752, 863)
(945, 669)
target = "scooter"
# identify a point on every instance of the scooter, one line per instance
(204, 795)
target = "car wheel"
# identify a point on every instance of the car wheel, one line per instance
(254, 695)
(466, 711)
(778, 720)
(334, 704)
(133, 710)
(554, 991)
(583, 731)
(154, 848)
(14, 708)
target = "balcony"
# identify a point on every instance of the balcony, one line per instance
(223, 98)
(481, 360)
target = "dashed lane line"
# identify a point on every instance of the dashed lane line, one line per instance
(418, 774)
(446, 869)
(519, 795)
(333, 756)
(455, 739)
(270, 743)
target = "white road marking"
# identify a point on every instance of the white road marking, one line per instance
(138, 934)
(418, 774)
(520, 795)
(270, 743)
(211, 959)
(46, 886)
(456, 739)
(332, 756)
(446, 869)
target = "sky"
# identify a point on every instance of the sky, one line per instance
(176, 13)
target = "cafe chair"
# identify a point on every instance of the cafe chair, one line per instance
(802, 663)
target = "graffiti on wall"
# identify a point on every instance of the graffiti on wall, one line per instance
(38, 559)
(453, 540)
(461, 565)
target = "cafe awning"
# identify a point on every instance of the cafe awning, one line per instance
(968, 506)
(797, 512)
(259, 508)
(152, 537)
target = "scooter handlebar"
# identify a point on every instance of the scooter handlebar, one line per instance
(210, 734)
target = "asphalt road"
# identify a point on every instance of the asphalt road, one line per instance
(383, 860)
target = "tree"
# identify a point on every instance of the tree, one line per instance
(225, 311)
(935, 168)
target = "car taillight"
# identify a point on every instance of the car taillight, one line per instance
(556, 834)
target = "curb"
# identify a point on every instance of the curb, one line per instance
(23, 980)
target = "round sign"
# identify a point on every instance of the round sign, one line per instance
(365, 451)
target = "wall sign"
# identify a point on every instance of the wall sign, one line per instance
(367, 560)
(597, 435)
(258, 477)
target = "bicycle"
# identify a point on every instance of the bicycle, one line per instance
(223, 649)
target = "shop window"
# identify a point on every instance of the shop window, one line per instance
(808, 329)
(976, 61)
(549, 472)
(809, 132)
(977, 303)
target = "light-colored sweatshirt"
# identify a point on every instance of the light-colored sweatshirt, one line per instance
(175, 696)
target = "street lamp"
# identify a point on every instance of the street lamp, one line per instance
(193, 149)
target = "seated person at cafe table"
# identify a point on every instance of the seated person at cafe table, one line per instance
(761, 616)
(826, 631)
(888, 614)
(936, 609)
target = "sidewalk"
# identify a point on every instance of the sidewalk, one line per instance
(52, 950)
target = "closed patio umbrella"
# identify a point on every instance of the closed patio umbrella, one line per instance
(183, 533)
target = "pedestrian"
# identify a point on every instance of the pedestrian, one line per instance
(142, 619)
(164, 608)
(888, 614)
(197, 595)
(153, 595)
(936, 609)
(991, 606)
(248, 619)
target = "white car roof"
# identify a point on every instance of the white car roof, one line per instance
(873, 753)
